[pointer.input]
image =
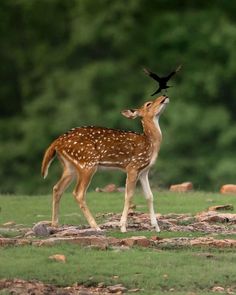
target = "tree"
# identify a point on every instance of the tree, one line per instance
(71, 63)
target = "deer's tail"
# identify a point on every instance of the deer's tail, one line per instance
(47, 160)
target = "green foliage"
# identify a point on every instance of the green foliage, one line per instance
(71, 63)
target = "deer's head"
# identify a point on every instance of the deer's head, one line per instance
(149, 110)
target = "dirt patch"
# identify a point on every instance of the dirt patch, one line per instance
(210, 222)
(21, 287)
(206, 222)
(104, 243)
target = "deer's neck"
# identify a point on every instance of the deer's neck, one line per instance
(153, 133)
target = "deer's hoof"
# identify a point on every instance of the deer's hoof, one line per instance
(123, 229)
(157, 228)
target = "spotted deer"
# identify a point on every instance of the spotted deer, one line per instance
(83, 150)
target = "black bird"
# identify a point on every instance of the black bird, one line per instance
(162, 81)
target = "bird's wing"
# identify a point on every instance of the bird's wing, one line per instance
(172, 73)
(152, 75)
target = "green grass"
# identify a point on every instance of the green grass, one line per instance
(27, 210)
(149, 234)
(156, 271)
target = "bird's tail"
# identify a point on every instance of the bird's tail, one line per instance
(47, 160)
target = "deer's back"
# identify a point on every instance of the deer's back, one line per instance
(89, 146)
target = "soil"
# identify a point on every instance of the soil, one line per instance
(21, 287)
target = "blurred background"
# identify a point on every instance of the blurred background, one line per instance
(79, 62)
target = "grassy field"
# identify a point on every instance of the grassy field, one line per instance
(176, 271)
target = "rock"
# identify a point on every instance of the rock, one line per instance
(156, 238)
(20, 287)
(121, 189)
(197, 242)
(58, 257)
(74, 231)
(119, 288)
(137, 241)
(29, 233)
(218, 289)
(9, 223)
(110, 188)
(228, 189)
(221, 207)
(227, 243)
(213, 216)
(14, 242)
(98, 242)
(182, 187)
(41, 230)
(230, 291)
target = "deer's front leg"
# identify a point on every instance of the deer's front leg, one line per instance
(149, 197)
(129, 191)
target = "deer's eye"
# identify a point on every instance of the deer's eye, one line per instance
(148, 104)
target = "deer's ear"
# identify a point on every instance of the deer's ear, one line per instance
(130, 114)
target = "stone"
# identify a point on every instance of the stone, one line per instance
(98, 242)
(40, 230)
(156, 238)
(218, 289)
(74, 231)
(197, 242)
(29, 233)
(58, 258)
(228, 189)
(227, 243)
(182, 187)
(230, 291)
(136, 241)
(9, 223)
(213, 216)
(14, 242)
(110, 188)
(20, 287)
(221, 207)
(118, 289)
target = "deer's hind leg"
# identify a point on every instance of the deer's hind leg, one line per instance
(58, 189)
(79, 193)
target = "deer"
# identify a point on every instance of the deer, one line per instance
(83, 150)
